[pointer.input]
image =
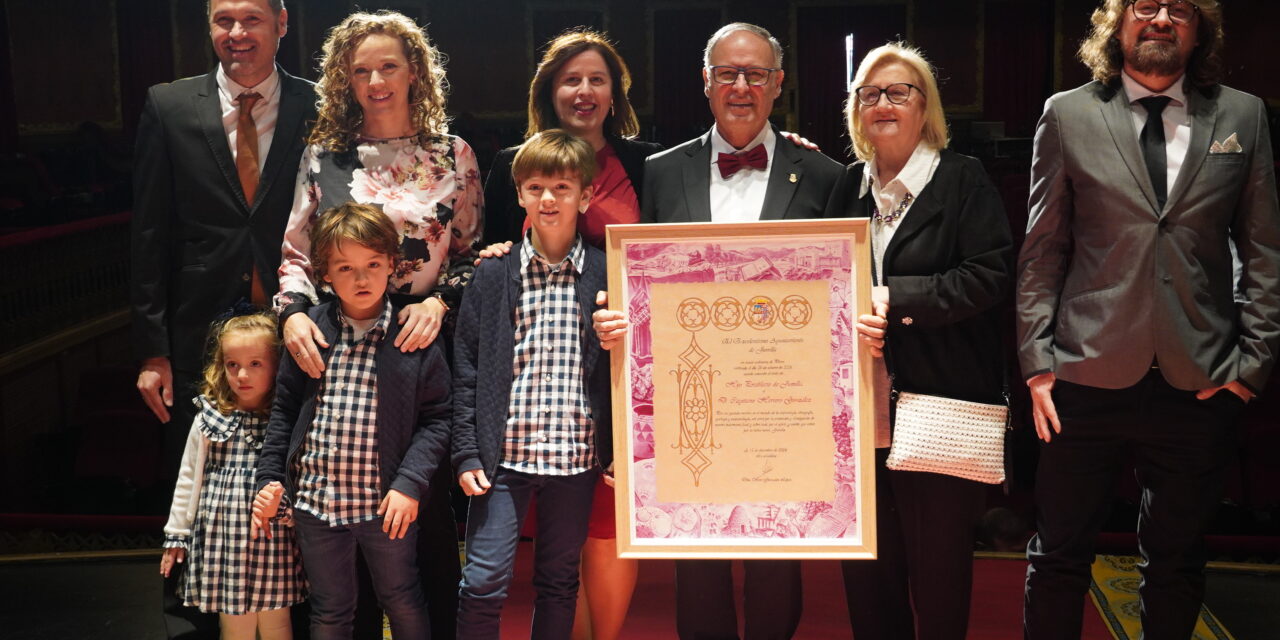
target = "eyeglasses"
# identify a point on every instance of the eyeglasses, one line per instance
(1180, 11)
(897, 93)
(756, 76)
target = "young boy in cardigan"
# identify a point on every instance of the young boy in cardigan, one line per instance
(531, 395)
(352, 452)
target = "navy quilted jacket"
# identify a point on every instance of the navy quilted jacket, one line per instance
(484, 349)
(413, 411)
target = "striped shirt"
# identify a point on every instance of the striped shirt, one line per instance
(549, 428)
(337, 470)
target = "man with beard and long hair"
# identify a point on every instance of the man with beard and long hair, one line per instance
(1136, 335)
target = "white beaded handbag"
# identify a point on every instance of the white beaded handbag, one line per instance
(953, 437)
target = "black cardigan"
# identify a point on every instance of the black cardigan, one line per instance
(503, 217)
(949, 269)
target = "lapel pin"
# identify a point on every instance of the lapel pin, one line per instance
(793, 177)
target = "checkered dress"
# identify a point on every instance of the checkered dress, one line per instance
(549, 421)
(337, 475)
(227, 572)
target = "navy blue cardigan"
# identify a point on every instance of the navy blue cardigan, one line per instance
(413, 411)
(484, 348)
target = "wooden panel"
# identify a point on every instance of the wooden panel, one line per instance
(58, 87)
(951, 35)
(680, 109)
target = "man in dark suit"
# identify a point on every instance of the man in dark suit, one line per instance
(216, 159)
(1134, 334)
(738, 172)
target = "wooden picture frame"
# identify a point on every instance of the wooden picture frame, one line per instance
(742, 415)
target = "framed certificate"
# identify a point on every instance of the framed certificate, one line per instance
(741, 402)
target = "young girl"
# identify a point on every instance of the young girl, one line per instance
(249, 583)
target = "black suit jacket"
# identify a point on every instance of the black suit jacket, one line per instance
(503, 217)
(195, 240)
(949, 269)
(677, 186)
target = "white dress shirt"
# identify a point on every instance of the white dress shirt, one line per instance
(265, 111)
(1177, 124)
(913, 178)
(740, 197)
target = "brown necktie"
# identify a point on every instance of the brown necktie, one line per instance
(247, 168)
(247, 146)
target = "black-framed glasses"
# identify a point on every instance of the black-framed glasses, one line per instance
(897, 93)
(1180, 11)
(756, 76)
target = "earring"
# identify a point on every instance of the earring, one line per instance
(611, 111)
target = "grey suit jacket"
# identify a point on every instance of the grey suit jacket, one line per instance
(677, 183)
(1108, 282)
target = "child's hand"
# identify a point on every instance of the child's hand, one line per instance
(172, 556)
(265, 506)
(610, 325)
(420, 322)
(473, 482)
(495, 250)
(607, 475)
(398, 511)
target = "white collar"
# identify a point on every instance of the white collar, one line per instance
(915, 175)
(720, 145)
(1135, 91)
(232, 89)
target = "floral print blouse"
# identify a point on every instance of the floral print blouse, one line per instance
(431, 191)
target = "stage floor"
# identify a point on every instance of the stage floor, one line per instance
(118, 598)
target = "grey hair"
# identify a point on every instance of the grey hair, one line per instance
(742, 26)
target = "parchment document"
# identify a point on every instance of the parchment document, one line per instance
(742, 391)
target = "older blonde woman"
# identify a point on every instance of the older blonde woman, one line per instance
(942, 257)
(382, 139)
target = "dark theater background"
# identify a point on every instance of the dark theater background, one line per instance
(78, 449)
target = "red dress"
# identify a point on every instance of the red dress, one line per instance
(613, 201)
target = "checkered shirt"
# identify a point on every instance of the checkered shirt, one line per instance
(549, 422)
(338, 469)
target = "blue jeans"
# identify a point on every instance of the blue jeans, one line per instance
(493, 529)
(329, 556)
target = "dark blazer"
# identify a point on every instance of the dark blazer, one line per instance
(677, 186)
(1108, 281)
(195, 240)
(503, 217)
(413, 411)
(949, 268)
(484, 347)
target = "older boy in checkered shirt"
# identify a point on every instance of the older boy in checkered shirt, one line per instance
(531, 395)
(353, 451)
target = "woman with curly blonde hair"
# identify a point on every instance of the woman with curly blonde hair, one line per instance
(382, 139)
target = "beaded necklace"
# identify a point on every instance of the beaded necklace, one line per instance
(897, 212)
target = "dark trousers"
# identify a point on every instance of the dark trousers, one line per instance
(925, 525)
(493, 533)
(180, 622)
(330, 557)
(1180, 446)
(771, 599)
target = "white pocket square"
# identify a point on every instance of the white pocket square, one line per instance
(1230, 145)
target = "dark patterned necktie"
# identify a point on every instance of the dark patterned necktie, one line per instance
(1153, 145)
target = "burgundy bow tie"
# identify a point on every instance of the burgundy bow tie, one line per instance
(731, 163)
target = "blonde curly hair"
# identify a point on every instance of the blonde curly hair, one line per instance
(1100, 51)
(340, 115)
(215, 385)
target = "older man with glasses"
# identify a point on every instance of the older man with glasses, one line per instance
(1135, 335)
(736, 172)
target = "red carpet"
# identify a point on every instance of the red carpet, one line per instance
(997, 602)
